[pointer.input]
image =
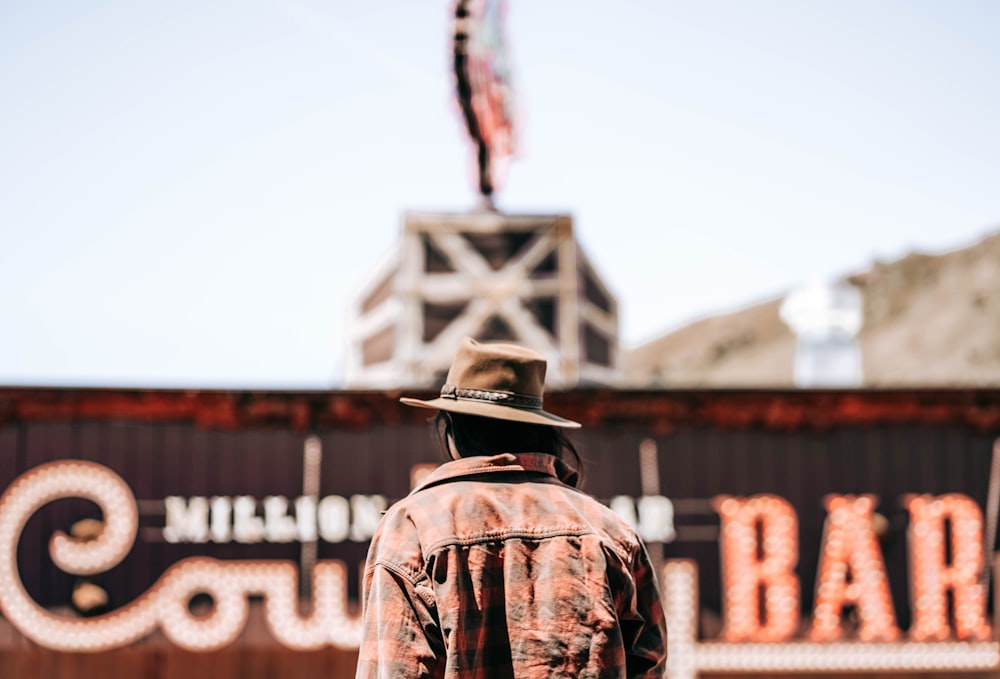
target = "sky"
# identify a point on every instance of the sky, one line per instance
(192, 193)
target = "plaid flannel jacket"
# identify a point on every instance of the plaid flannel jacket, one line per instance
(495, 567)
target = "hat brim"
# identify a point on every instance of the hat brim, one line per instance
(493, 410)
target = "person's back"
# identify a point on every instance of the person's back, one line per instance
(497, 566)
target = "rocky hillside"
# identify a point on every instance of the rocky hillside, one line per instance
(929, 320)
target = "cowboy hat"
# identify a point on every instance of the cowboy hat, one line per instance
(501, 381)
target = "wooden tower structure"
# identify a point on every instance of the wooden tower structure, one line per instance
(485, 274)
(492, 276)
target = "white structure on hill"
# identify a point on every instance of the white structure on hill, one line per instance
(825, 317)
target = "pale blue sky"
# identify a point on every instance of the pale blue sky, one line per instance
(190, 192)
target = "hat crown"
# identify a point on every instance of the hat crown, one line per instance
(501, 381)
(497, 367)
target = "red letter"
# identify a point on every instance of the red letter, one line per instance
(933, 576)
(752, 563)
(850, 547)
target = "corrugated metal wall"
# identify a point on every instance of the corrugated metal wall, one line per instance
(903, 451)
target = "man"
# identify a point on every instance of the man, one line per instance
(496, 565)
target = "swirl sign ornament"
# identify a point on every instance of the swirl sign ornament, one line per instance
(166, 604)
(759, 548)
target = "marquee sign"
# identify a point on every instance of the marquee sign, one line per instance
(222, 519)
(762, 630)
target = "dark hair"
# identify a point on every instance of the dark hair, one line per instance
(488, 436)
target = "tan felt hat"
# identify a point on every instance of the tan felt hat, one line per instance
(501, 381)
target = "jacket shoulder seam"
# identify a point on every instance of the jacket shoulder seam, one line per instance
(502, 535)
(414, 577)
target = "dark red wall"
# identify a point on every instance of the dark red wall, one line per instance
(797, 444)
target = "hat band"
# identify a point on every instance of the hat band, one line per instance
(488, 396)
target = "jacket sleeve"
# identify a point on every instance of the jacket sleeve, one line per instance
(643, 625)
(400, 638)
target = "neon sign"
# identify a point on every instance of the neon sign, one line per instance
(165, 605)
(850, 547)
(759, 548)
(227, 519)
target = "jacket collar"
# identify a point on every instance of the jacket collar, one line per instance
(506, 462)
